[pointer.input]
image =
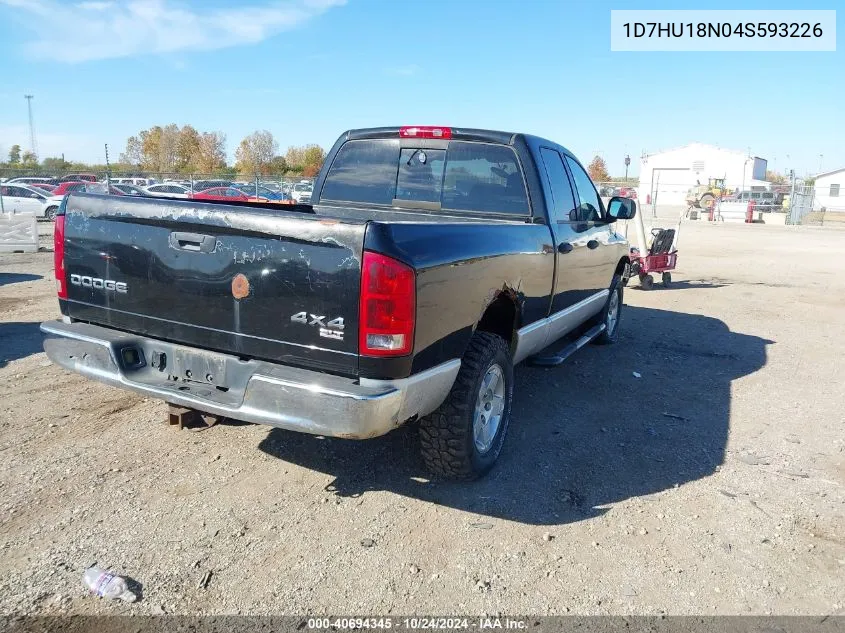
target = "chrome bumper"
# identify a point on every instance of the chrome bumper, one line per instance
(249, 390)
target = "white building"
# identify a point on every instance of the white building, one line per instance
(829, 191)
(667, 176)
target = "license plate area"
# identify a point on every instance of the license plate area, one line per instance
(207, 369)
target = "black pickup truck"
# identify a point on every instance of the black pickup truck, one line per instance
(430, 262)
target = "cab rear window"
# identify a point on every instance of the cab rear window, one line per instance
(467, 176)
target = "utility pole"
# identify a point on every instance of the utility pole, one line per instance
(627, 162)
(32, 146)
(108, 170)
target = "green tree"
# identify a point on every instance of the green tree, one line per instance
(15, 155)
(313, 158)
(150, 141)
(775, 177)
(134, 151)
(598, 170)
(29, 159)
(295, 158)
(255, 153)
(55, 164)
(187, 149)
(211, 152)
(278, 165)
(168, 148)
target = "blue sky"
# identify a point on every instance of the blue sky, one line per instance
(308, 69)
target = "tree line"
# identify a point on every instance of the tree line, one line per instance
(185, 150)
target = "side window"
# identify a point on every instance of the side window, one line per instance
(17, 192)
(564, 201)
(589, 205)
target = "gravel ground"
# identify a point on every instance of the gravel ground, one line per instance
(711, 484)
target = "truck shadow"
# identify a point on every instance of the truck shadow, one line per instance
(19, 340)
(583, 435)
(16, 278)
(686, 284)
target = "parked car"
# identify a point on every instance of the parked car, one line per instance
(301, 192)
(43, 186)
(763, 200)
(79, 177)
(32, 180)
(202, 185)
(137, 181)
(21, 198)
(68, 186)
(431, 262)
(226, 194)
(168, 189)
(54, 201)
(129, 190)
(263, 192)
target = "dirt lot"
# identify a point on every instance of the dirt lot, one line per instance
(712, 484)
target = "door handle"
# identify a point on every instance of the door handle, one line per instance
(593, 244)
(195, 242)
(564, 247)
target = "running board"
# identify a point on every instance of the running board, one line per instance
(556, 359)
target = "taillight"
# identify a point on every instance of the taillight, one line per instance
(59, 256)
(388, 306)
(425, 131)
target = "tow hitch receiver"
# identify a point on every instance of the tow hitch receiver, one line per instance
(183, 416)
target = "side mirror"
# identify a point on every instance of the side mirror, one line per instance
(620, 208)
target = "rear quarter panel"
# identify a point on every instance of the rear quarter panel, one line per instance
(461, 269)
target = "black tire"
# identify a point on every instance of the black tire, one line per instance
(50, 213)
(446, 436)
(667, 279)
(611, 332)
(707, 201)
(646, 282)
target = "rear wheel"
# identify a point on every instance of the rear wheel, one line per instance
(463, 438)
(646, 282)
(50, 213)
(667, 279)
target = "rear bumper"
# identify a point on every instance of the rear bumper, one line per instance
(249, 390)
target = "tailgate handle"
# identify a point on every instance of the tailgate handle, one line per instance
(193, 242)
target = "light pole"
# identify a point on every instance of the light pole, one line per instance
(627, 162)
(32, 145)
(108, 170)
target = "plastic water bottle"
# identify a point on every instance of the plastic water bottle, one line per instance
(107, 585)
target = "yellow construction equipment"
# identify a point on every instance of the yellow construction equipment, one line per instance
(705, 196)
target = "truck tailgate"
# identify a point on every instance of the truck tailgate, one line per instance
(260, 283)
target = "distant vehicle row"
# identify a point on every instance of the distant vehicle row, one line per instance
(300, 191)
(43, 199)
